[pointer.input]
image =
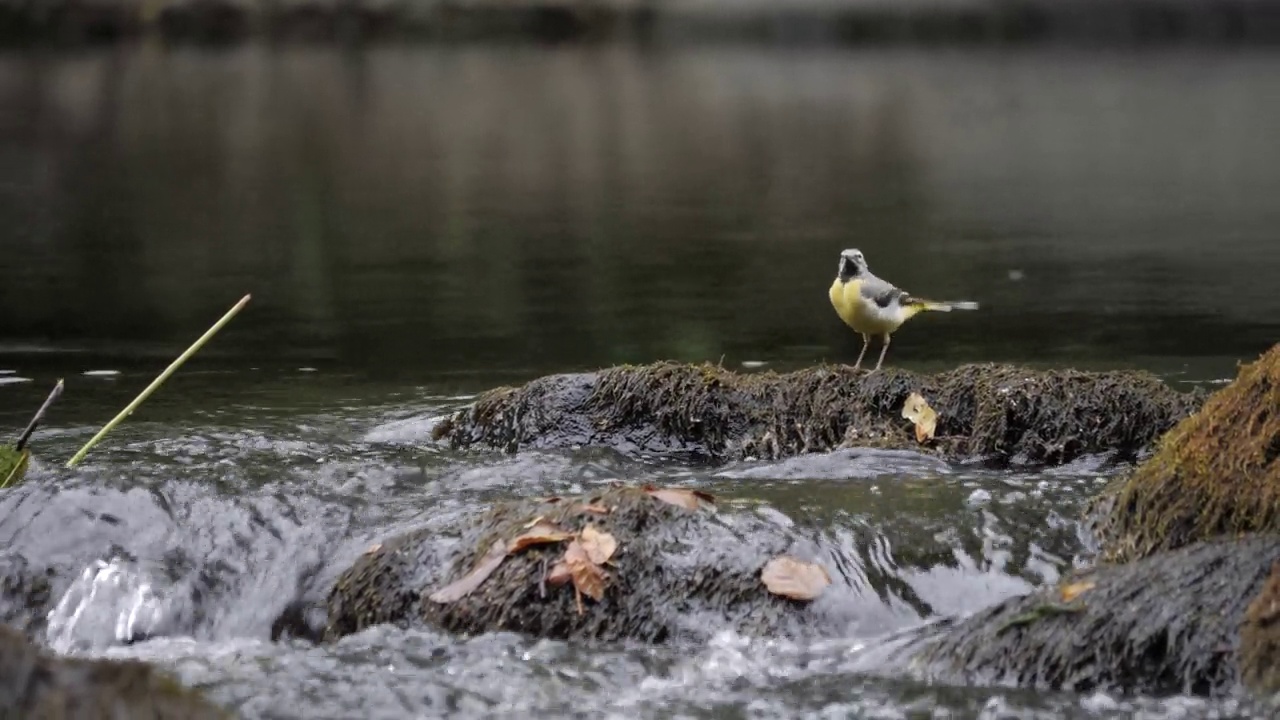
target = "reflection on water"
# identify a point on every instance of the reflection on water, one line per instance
(439, 208)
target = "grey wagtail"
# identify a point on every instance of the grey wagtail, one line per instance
(872, 306)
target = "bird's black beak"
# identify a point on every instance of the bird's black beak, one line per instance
(847, 268)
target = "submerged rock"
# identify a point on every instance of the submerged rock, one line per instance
(38, 686)
(1167, 624)
(26, 594)
(1216, 473)
(677, 572)
(997, 412)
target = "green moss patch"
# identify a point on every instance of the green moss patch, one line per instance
(1216, 473)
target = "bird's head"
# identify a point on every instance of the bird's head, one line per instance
(852, 264)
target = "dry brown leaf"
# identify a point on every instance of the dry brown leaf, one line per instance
(1074, 590)
(794, 578)
(559, 574)
(588, 578)
(598, 545)
(596, 508)
(687, 499)
(539, 534)
(464, 585)
(921, 415)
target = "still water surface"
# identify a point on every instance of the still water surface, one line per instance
(417, 225)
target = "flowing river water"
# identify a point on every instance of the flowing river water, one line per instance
(419, 225)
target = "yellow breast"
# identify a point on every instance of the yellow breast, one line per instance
(846, 298)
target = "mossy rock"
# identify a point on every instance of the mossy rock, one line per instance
(34, 684)
(1000, 413)
(678, 573)
(1216, 473)
(13, 466)
(1166, 625)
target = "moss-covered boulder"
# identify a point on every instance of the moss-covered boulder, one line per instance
(1216, 473)
(997, 412)
(34, 684)
(678, 569)
(1167, 624)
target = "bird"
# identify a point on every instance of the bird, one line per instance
(872, 306)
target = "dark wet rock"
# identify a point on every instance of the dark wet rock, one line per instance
(677, 574)
(1216, 473)
(999, 413)
(302, 620)
(37, 686)
(26, 594)
(385, 584)
(1167, 624)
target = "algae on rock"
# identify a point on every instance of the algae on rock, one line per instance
(996, 412)
(1216, 473)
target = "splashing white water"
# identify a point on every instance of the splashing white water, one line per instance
(110, 603)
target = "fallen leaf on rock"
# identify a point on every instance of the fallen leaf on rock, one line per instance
(687, 499)
(793, 578)
(921, 415)
(464, 585)
(1074, 590)
(588, 578)
(598, 545)
(559, 574)
(539, 534)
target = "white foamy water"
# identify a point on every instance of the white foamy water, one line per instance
(109, 603)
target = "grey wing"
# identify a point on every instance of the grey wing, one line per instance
(881, 292)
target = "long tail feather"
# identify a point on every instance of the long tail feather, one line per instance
(946, 306)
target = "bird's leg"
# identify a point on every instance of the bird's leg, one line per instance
(866, 340)
(883, 349)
